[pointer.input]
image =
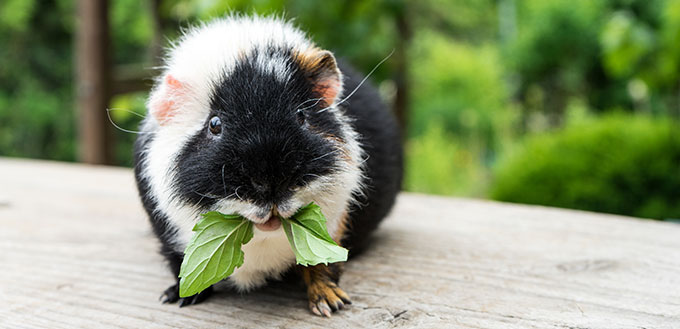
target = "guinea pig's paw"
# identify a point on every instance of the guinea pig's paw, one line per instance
(326, 297)
(171, 295)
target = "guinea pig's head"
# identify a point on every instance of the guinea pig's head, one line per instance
(253, 125)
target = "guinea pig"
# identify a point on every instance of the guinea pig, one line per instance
(249, 117)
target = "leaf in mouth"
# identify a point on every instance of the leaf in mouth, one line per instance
(214, 251)
(309, 238)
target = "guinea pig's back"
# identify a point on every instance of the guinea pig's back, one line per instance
(381, 141)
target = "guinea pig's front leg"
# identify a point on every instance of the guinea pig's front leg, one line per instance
(171, 295)
(322, 288)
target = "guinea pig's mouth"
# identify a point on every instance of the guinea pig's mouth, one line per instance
(272, 224)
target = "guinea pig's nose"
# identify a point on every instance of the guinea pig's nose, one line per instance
(259, 186)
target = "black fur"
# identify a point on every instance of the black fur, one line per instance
(159, 222)
(264, 151)
(381, 141)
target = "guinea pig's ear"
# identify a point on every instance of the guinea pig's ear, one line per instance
(166, 98)
(322, 70)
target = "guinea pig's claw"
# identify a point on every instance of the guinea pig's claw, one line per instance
(197, 298)
(326, 297)
(321, 308)
(187, 301)
(171, 296)
(314, 309)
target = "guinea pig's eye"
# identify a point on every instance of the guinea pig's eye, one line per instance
(300, 115)
(215, 125)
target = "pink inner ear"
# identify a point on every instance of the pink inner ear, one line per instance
(328, 89)
(163, 104)
(163, 110)
(172, 82)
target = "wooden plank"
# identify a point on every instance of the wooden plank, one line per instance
(79, 253)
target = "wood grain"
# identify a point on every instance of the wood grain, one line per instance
(78, 253)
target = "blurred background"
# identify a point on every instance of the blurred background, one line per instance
(567, 103)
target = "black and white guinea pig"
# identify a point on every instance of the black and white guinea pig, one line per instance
(250, 117)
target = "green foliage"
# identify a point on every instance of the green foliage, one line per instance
(557, 39)
(624, 41)
(463, 88)
(308, 236)
(619, 164)
(614, 54)
(36, 116)
(14, 14)
(642, 46)
(555, 53)
(460, 115)
(437, 163)
(131, 31)
(667, 63)
(214, 251)
(460, 86)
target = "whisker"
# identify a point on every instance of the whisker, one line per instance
(313, 175)
(323, 156)
(128, 111)
(315, 103)
(360, 83)
(228, 196)
(309, 100)
(108, 114)
(203, 196)
(236, 192)
(364, 160)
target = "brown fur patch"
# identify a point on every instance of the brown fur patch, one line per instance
(320, 68)
(312, 59)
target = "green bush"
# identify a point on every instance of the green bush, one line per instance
(437, 163)
(619, 164)
(461, 87)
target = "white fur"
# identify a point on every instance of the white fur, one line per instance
(201, 57)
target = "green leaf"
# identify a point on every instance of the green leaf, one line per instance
(311, 217)
(309, 238)
(214, 251)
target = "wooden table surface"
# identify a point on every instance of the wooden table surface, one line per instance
(78, 253)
